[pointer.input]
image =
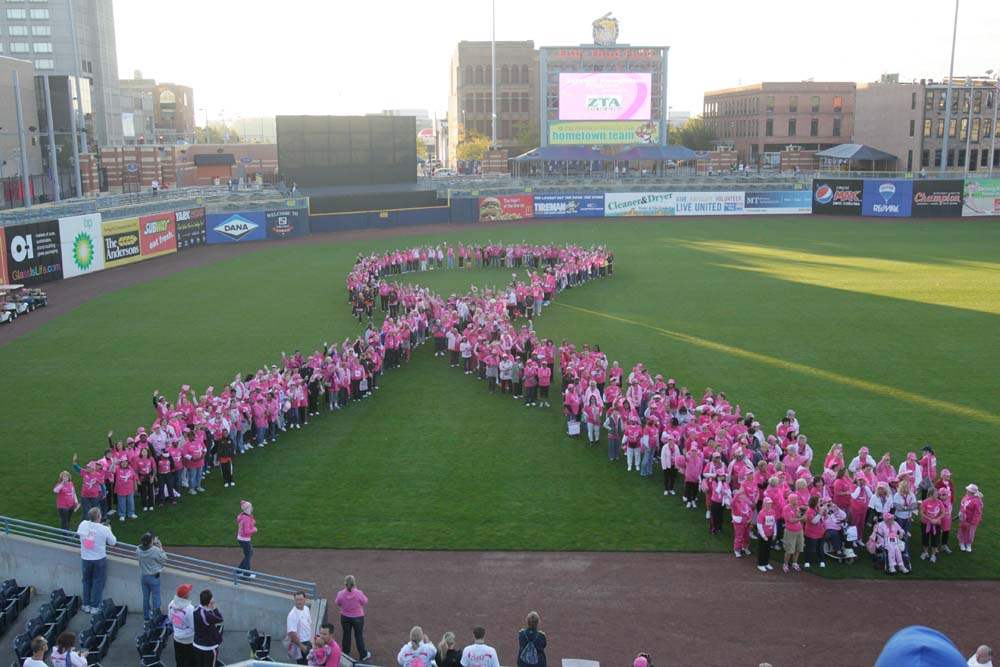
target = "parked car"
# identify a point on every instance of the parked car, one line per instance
(444, 173)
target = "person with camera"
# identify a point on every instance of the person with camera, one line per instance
(152, 558)
(793, 541)
(207, 631)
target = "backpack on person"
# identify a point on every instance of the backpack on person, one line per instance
(528, 654)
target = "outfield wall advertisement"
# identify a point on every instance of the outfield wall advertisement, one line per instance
(569, 206)
(982, 197)
(887, 198)
(3, 256)
(121, 242)
(506, 207)
(618, 204)
(190, 228)
(288, 223)
(778, 202)
(34, 254)
(937, 199)
(82, 244)
(235, 227)
(709, 203)
(837, 196)
(158, 234)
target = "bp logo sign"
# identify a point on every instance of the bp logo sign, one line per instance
(82, 242)
(83, 251)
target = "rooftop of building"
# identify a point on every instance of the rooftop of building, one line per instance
(780, 86)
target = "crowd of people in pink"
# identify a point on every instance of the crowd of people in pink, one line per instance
(767, 484)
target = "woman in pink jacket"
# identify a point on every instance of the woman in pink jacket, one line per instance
(767, 528)
(694, 462)
(66, 502)
(742, 516)
(891, 537)
(246, 527)
(970, 514)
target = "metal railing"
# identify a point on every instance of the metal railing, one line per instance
(178, 562)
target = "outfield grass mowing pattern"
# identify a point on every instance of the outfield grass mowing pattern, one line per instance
(876, 333)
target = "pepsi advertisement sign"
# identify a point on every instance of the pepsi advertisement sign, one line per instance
(569, 206)
(837, 196)
(887, 198)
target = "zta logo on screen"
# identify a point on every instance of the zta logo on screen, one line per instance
(604, 103)
(827, 195)
(236, 227)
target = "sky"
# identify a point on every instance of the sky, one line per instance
(252, 58)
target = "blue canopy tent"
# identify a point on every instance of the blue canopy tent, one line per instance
(858, 157)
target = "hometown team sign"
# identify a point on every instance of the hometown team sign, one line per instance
(236, 227)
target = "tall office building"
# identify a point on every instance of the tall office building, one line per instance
(41, 31)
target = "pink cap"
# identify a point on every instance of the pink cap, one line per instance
(640, 662)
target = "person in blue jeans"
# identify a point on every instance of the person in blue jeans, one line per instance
(152, 558)
(95, 538)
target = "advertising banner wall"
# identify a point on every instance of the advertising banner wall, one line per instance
(158, 234)
(3, 256)
(837, 196)
(937, 199)
(34, 254)
(506, 207)
(82, 244)
(236, 227)
(887, 198)
(121, 242)
(982, 197)
(288, 223)
(572, 133)
(639, 203)
(778, 202)
(708, 203)
(569, 206)
(190, 227)
(605, 95)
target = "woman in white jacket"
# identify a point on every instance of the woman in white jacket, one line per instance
(180, 611)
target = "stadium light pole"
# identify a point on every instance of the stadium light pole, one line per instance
(493, 79)
(968, 125)
(947, 96)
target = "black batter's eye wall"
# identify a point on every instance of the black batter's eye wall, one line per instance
(318, 151)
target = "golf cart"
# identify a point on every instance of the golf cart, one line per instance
(14, 304)
(35, 298)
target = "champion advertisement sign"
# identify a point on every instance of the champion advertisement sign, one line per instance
(288, 223)
(837, 196)
(190, 227)
(236, 227)
(82, 242)
(34, 253)
(569, 206)
(887, 198)
(937, 199)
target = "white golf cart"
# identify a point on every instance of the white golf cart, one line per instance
(14, 302)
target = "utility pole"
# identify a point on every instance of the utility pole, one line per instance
(947, 96)
(25, 179)
(493, 78)
(968, 126)
(53, 164)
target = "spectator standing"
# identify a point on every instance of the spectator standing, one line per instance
(66, 501)
(479, 653)
(983, 657)
(531, 643)
(447, 654)
(181, 614)
(95, 538)
(298, 628)
(207, 631)
(152, 558)
(351, 600)
(419, 648)
(64, 655)
(246, 526)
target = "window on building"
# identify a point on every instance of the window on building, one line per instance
(45, 64)
(515, 74)
(504, 102)
(913, 127)
(913, 101)
(963, 129)
(838, 103)
(793, 104)
(770, 104)
(952, 124)
(504, 74)
(975, 130)
(769, 127)
(977, 102)
(951, 158)
(489, 103)
(17, 30)
(791, 127)
(469, 103)
(836, 127)
(39, 14)
(814, 127)
(927, 127)
(19, 47)
(987, 126)
(939, 132)
(961, 157)
(815, 103)
(925, 158)
(909, 160)
(505, 129)
(479, 74)
(525, 102)
(470, 75)
(479, 103)
(525, 75)
(41, 30)
(928, 100)
(937, 157)
(43, 47)
(990, 97)
(942, 99)
(984, 158)
(17, 14)
(965, 101)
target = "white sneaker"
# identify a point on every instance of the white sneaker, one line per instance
(738, 554)
(923, 556)
(806, 565)
(762, 568)
(968, 547)
(934, 558)
(666, 493)
(822, 563)
(708, 515)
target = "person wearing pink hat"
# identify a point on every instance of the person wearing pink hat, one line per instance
(890, 536)
(642, 660)
(246, 527)
(970, 515)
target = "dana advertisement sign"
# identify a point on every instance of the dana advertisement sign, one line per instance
(982, 197)
(887, 198)
(190, 227)
(569, 206)
(82, 242)
(837, 196)
(778, 202)
(708, 203)
(158, 234)
(34, 254)
(630, 132)
(288, 223)
(618, 204)
(121, 242)
(236, 227)
(937, 199)
(605, 95)
(506, 207)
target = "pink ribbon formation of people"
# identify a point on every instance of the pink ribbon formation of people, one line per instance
(719, 455)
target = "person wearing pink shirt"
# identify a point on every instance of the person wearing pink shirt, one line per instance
(860, 497)
(694, 461)
(742, 517)
(931, 515)
(814, 530)
(944, 495)
(351, 601)
(630, 442)
(719, 497)
(669, 458)
(145, 468)
(928, 470)
(66, 501)
(891, 537)
(767, 528)
(593, 416)
(246, 528)
(793, 542)
(970, 515)
(544, 382)
(125, 483)
(194, 462)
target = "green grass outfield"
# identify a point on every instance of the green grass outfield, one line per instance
(880, 333)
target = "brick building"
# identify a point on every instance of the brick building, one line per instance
(760, 120)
